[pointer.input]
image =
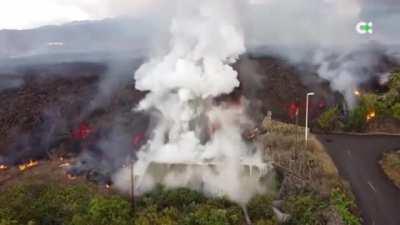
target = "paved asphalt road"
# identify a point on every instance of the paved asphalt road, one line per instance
(357, 160)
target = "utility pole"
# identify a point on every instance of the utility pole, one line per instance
(132, 191)
(296, 131)
(307, 103)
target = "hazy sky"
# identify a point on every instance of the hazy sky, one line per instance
(23, 14)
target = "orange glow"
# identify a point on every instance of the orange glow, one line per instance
(28, 165)
(71, 177)
(64, 165)
(3, 167)
(371, 115)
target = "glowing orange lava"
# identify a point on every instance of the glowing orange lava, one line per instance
(371, 115)
(71, 177)
(64, 165)
(3, 167)
(28, 165)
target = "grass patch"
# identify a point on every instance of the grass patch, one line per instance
(390, 164)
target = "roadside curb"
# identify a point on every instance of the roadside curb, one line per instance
(358, 134)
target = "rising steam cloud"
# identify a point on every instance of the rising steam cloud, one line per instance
(322, 34)
(192, 130)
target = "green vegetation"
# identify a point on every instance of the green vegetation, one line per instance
(53, 204)
(345, 207)
(356, 120)
(370, 106)
(328, 121)
(305, 209)
(260, 211)
(391, 166)
(34, 204)
(78, 205)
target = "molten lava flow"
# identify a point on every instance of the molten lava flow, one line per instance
(3, 167)
(322, 104)
(137, 139)
(371, 115)
(294, 109)
(71, 177)
(28, 165)
(64, 165)
(83, 132)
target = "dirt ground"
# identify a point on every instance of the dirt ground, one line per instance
(42, 114)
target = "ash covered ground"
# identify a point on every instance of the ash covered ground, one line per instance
(53, 105)
(85, 109)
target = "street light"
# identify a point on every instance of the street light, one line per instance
(306, 129)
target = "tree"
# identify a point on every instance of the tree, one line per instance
(394, 81)
(357, 119)
(328, 119)
(207, 215)
(396, 111)
(260, 207)
(109, 211)
(305, 209)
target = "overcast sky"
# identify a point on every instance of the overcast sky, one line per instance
(25, 14)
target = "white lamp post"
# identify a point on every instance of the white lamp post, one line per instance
(307, 102)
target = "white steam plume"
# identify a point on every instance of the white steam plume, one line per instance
(322, 33)
(206, 39)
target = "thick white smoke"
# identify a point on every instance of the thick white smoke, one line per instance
(322, 33)
(192, 130)
(347, 70)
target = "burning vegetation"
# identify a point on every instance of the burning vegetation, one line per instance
(375, 111)
(371, 115)
(3, 167)
(28, 165)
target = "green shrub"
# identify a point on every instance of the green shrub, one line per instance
(8, 221)
(150, 216)
(328, 119)
(109, 211)
(19, 201)
(180, 198)
(234, 211)
(208, 215)
(43, 204)
(394, 81)
(357, 119)
(57, 205)
(260, 207)
(396, 111)
(266, 222)
(344, 205)
(305, 209)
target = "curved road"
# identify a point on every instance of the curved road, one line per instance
(356, 157)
